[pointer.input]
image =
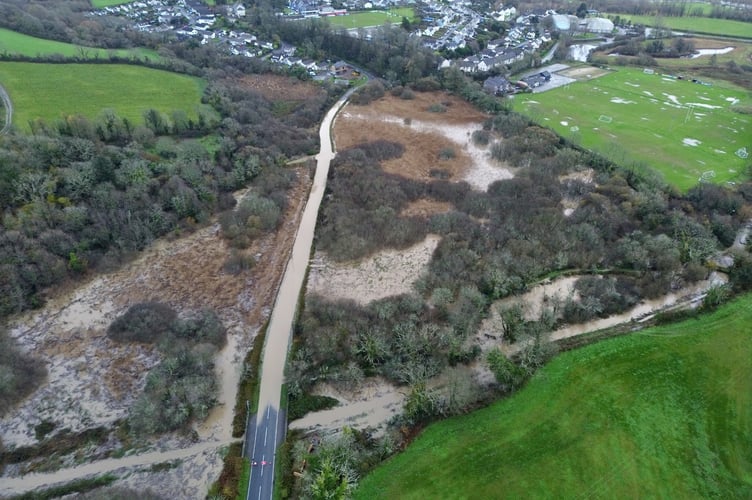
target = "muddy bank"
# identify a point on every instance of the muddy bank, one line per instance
(387, 273)
(543, 295)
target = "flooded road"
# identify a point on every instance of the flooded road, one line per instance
(15, 485)
(279, 331)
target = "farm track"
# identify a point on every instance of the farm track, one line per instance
(8, 110)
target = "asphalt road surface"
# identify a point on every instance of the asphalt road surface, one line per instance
(262, 444)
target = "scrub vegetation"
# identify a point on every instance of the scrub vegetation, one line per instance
(182, 387)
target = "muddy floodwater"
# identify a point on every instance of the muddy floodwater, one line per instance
(279, 331)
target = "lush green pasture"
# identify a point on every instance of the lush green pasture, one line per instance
(12, 42)
(99, 4)
(369, 18)
(693, 8)
(52, 91)
(712, 26)
(663, 413)
(677, 127)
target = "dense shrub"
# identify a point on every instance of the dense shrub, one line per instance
(370, 92)
(20, 374)
(381, 149)
(182, 388)
(145, 322)
(364, 215)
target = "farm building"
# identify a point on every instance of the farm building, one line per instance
(564, 22)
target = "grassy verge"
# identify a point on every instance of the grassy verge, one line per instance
(52, 91)
(245, 480)
(231, 479)
(249, 384)
(284, 476)
(78, 486)
(666, 412)
(14, 43)
(307, 403)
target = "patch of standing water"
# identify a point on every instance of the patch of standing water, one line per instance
(709, 52)
(227, 366)
(484, 171)
(580, 52)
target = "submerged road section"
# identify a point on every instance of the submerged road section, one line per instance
(266, 430)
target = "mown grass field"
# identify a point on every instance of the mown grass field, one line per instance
(707, 25)
(100, 4)
(372, 18)
(52, 91)
(663, 413)
(12, 42)
(680, 128)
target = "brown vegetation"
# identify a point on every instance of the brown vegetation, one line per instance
(391, 118)
(280, 87)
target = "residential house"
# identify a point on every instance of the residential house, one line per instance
(497, 85)
(236, 10)
(340, 68)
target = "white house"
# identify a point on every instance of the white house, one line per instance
(236, 10)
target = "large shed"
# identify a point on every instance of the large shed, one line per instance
(599, 25)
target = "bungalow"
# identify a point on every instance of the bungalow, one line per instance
(340, 67)
(497, 85)
(534, 81)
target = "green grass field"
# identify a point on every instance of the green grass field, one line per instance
(372, 18)
(740, 55)
(708, 25)
(51, 91)
(100, 4)
(663, 413)
(12, 42)
(680, 128)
